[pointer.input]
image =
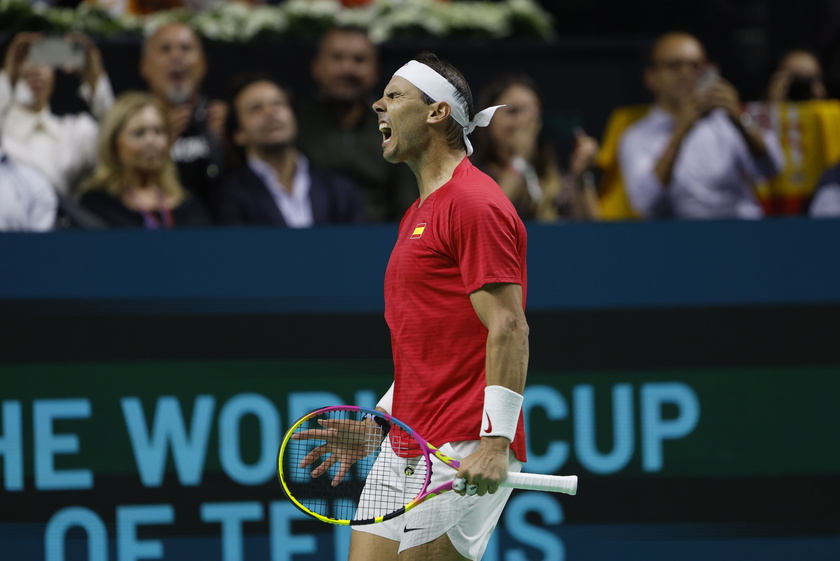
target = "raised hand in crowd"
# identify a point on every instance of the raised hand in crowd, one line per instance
(17, 53)
(720, 94)
(62, 147)
(181, 115)
(583, 154)
(217, 112)
(798, 77)
(179, 118)
(696, 154)
(514, 152)
(93, 68)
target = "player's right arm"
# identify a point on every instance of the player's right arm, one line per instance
(499, 307)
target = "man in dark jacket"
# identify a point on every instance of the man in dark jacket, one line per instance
(274, 183)
(339, 132)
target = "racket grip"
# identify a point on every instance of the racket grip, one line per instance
(537, 482)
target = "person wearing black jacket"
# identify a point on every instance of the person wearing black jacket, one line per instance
(273, 183)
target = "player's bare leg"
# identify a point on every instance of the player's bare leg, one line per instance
(369, 547)
(440, 549)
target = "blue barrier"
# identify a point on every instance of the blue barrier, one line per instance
(340, 269)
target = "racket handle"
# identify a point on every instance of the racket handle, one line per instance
(537, 482)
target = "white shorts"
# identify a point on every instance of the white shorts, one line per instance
(468, 521)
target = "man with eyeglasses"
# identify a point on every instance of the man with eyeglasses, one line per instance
(697, 154)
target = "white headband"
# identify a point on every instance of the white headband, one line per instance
(439, 89)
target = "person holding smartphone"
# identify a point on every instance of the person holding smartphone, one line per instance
(63, 148)
(697, 154)
(798, 77)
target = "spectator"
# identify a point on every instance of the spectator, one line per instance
(27, 199)
(799, 77)
(696, 154)
(340, 133)
(135, 184)
(513, 151)
(275, 184)
(826, 201)
(173, 64)
(62, 148)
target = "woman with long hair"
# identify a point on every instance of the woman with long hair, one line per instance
(514, 152)
(135, 183)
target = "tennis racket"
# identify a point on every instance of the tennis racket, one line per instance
(329, 455)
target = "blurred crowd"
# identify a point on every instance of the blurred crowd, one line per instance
(170, 156)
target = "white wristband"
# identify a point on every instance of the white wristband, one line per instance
(387, 401)
(501, 412)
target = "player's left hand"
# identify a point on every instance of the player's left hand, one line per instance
(485, 469)
(345, 442)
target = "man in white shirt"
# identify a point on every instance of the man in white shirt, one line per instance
(697, 154)
(63, 148)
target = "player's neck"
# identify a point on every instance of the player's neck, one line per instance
(434, 169)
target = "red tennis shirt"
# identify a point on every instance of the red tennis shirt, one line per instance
(465, 235)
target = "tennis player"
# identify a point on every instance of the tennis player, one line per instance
(454, 301)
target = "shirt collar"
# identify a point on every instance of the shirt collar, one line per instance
(23, 123)
(261, 168)
(300, 187)
(659, 115)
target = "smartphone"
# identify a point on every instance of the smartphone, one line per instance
(708, 78)
(801, 88)
(57, 52)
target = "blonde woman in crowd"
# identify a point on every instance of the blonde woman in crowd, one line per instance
(135, 183)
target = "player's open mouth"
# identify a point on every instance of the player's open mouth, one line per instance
(386, 132)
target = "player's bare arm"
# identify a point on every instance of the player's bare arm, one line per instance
(499, 307)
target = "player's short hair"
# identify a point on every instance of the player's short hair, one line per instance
(454, 131)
